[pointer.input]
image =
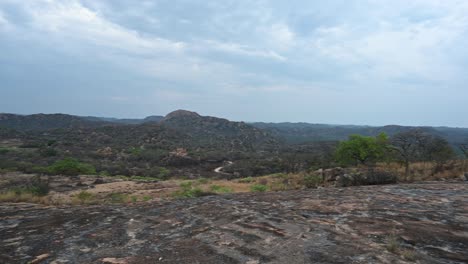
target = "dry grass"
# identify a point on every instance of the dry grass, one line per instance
(130, 191)
(14, 197)
(426, 171)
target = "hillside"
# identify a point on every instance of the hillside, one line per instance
(304, 132)
(183, 142)
(42, 122)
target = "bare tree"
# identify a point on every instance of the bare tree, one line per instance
(408, 147)
(464, 149)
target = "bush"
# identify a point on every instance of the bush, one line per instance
(4, 151)
(118, 197)
(84, 196)
(258, 188)
(220, 189)
(188, 191)
(48, 152)
(312, 181)
(247, 180)
(71, 167)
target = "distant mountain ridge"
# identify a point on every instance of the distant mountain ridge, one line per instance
(305, 132)
(185, 142)
(42, 122)
(213, 128)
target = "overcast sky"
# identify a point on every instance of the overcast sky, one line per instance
(339, 61)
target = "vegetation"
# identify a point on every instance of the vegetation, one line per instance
(189, 191)
(220, 189)
(84, 196)
(71, 167)
(258, 188)
(312, 180)
(118, 197)
(362, 150)
(33, 192)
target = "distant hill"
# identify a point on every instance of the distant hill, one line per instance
(126, 121)
(41, 122)
(296, 133)
(184, 142)
(213, 131)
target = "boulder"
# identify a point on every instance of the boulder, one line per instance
(368, 178)
(99, 181)
(329, 175)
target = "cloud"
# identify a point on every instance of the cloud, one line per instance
(71, 20)
(254, 50)
(4, 23)
(242, 50)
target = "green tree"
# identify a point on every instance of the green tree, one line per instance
(71, 167)
(362, 150)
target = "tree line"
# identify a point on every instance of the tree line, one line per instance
(405, 147)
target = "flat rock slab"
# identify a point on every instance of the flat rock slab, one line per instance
(422, 223)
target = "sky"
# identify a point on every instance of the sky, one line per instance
(372, 62)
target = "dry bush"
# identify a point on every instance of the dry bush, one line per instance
(425, 171)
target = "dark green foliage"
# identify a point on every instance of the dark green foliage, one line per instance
(36, 187)
(51, 142)
(48, 152)
(71, 167)
(4, 151)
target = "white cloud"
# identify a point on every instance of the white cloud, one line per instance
(70, 19)
(386, 50)
(243, 50)
(280, 36)
(4, 23)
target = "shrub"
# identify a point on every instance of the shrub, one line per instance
(247, 180)
(84, 196)
(258, 188)
(220, 189)
(30, 193)
(203, 181)
(188, 191)
(48, 152)
(4, 151)
(312, 180)
(393, 245)
(71, 167)
(118, 197)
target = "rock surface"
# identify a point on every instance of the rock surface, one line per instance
(422, 223)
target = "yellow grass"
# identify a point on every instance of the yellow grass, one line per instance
(426, 171)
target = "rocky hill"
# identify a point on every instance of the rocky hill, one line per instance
(137, 149)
